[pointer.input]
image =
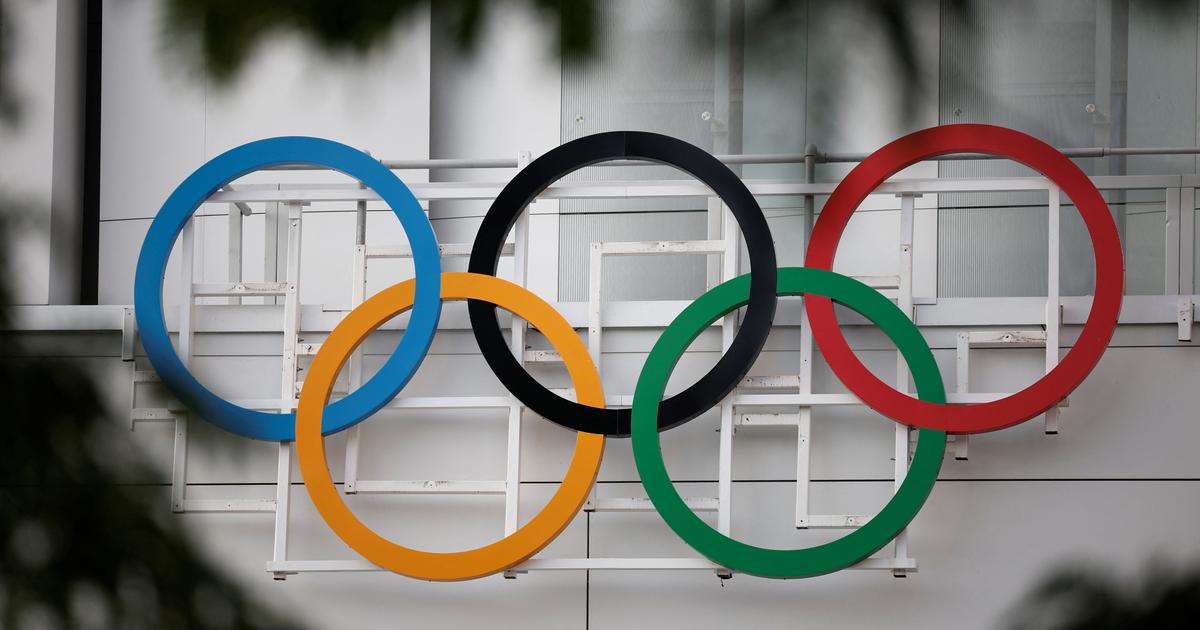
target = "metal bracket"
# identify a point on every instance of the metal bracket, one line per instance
(128, 334)
(1185, 317)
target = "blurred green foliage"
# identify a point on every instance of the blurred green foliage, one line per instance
(1094, 597)
(79, 548)
(223, 33)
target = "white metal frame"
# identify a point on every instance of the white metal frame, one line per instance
(1180, 208)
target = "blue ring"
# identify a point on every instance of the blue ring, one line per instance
(179, 207)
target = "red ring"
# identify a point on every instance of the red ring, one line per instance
(1046, 392)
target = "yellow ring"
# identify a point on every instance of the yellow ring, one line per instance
(460, 565)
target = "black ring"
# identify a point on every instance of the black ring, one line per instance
(535, 178)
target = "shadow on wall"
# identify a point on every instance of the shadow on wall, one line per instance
(78, 550)
(1093, 597)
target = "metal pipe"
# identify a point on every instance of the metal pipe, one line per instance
(765, 158)
(360, 218)
(405, 165)
(810, 175)
(1089, 152)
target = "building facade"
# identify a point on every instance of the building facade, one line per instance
(983, 255)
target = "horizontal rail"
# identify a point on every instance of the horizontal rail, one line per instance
(1078, 153)
(836, 521)
(628, 248)
(817, 400)
(649, 188)
(931, 313)
(415, 402)
(759, 158)
(153, 414)
(643, 504)
(219, 289)
(229, 505)
(542, 356)
(428, 487)
(574, 564)
(1005, 338)
(449, 250)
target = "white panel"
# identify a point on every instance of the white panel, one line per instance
(241, 545)
(159, 124)
(496, 101)
(27, 141)
(1031, 66)
(980, 546)
(1124, 410)
(378, 103)
(879, 104)
(1162, 84)
(152, 120)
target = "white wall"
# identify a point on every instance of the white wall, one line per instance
(41, 150)
(160, 123)
(499, 102)
(1115, 488)
(1118, 485)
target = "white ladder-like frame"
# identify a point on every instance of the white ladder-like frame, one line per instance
(280, 566)
(292, 349)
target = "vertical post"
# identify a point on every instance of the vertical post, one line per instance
(360, 216)
(283, 506)
(905, 271)
(512, 477)
(962, 385)
(804, 424)
(179, 463)
(1102, 96)
(271, 226)
(291, 328)
(1053, 297)
(595, 275)
(186, 308)
(129, 334)
(235, 248)
(804, 420)
(715, 216)
(810, 200)
(1187, 240)
(725, 22)
(358, 289)
(291, 308)
(1172, 234)
(186, 300)
(905, 302)
(719, 121)
(729, 264)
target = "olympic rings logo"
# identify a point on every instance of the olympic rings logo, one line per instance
(650, 414)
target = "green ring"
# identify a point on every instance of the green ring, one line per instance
(786, 563)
